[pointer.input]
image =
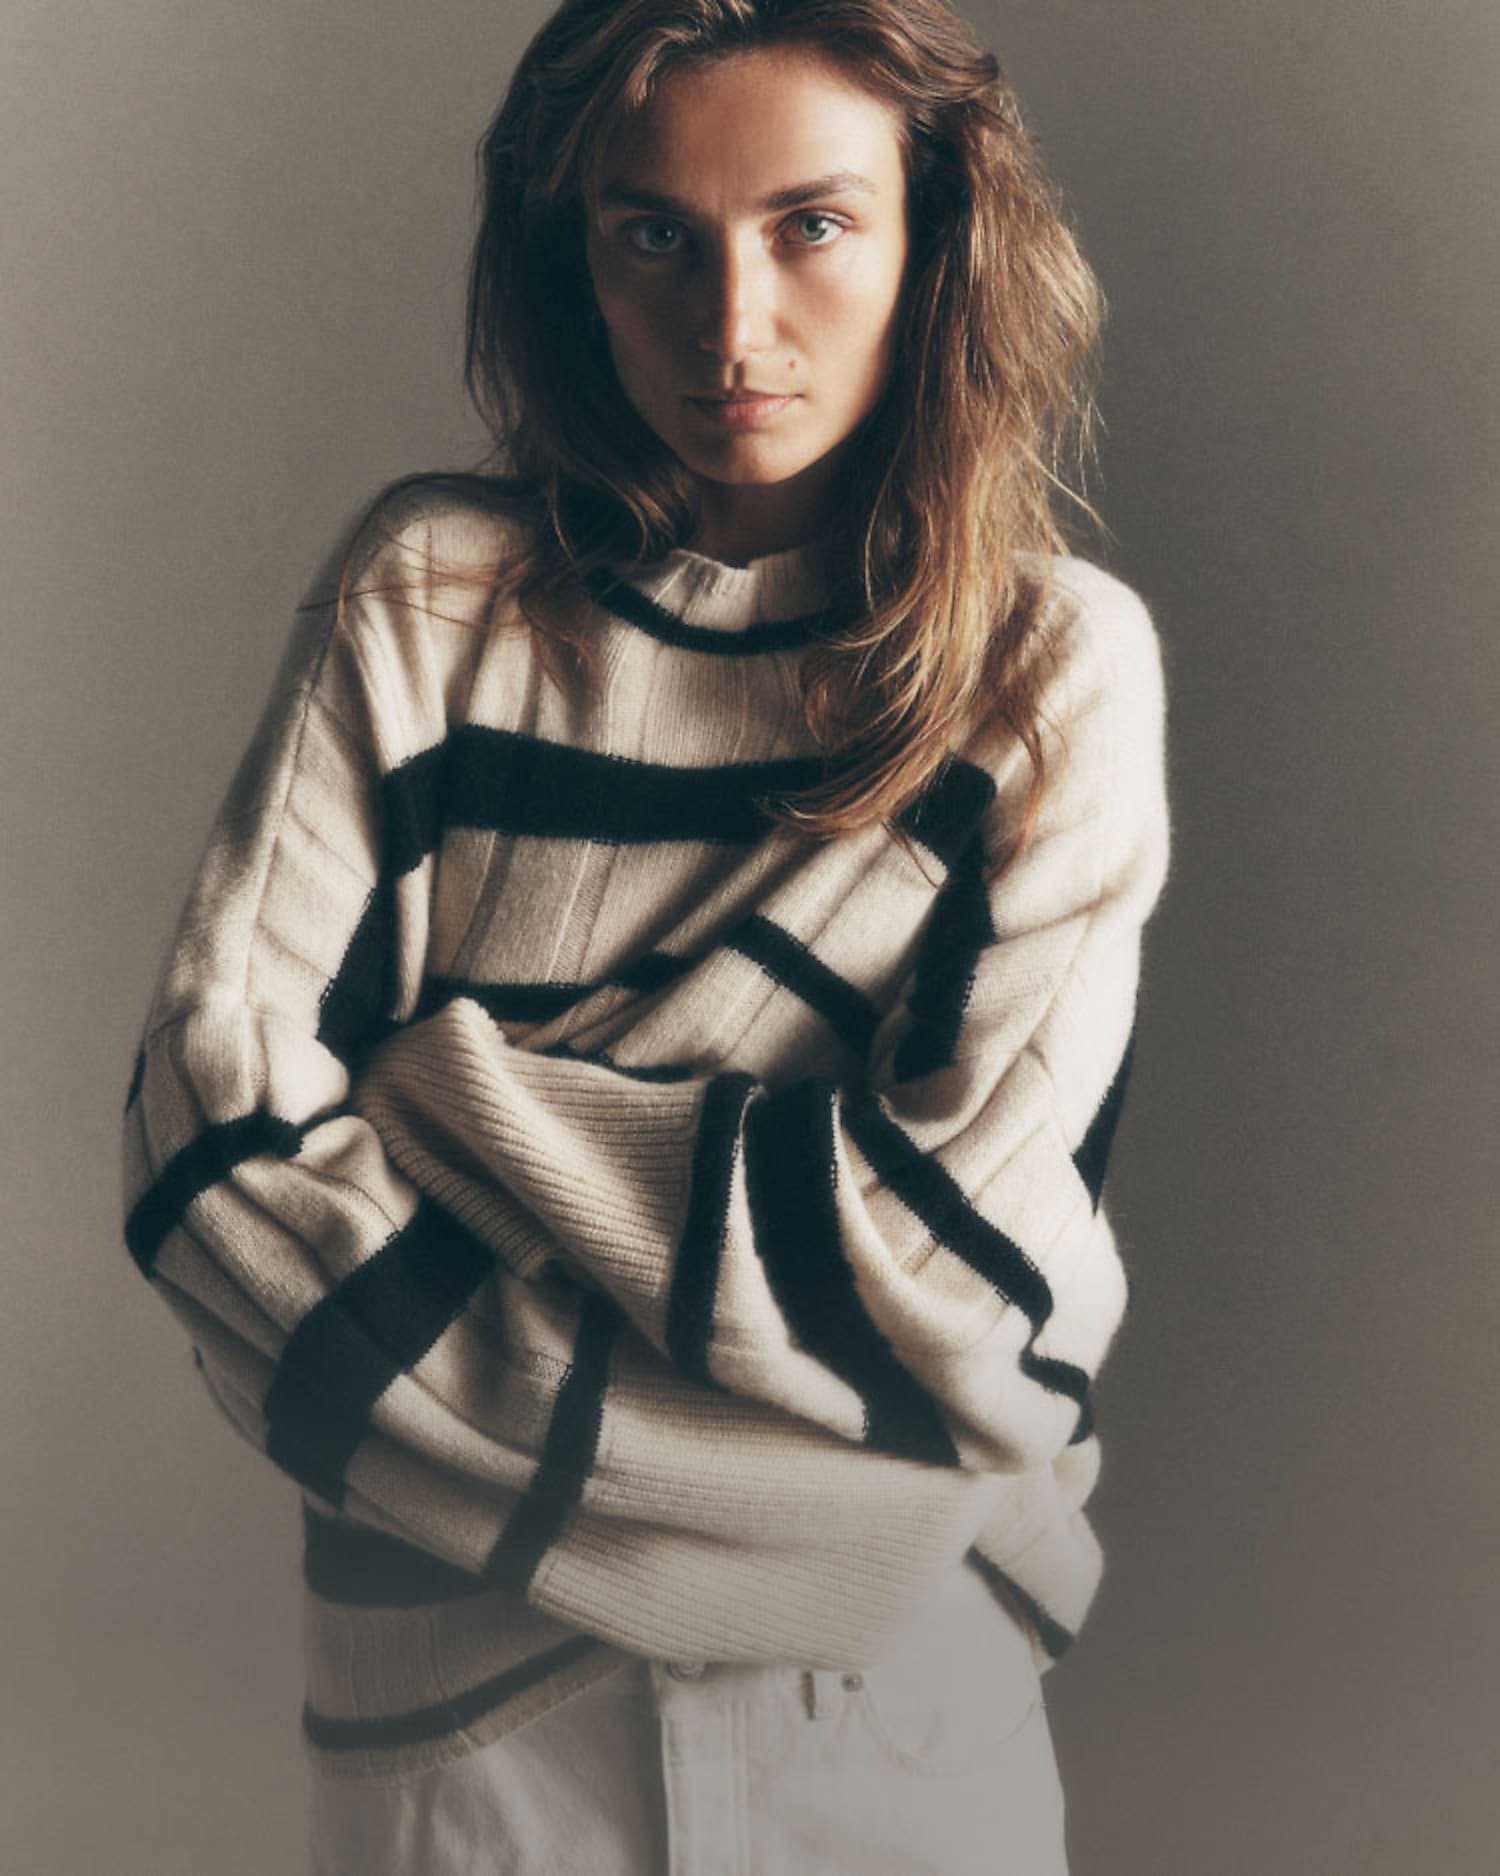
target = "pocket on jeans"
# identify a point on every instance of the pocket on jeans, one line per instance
(959, 1686)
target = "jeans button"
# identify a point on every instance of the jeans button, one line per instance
(685, 1670)
(853, 1683)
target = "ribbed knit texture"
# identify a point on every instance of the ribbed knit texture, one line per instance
(637, 1227)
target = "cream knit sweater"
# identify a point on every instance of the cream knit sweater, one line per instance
(635, 1227)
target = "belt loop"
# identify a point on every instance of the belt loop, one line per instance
(821, 1688)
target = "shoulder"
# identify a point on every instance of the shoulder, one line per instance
(1101, 689)
(426, 529)
(1098, 697)
(1107, 712)
(1097, 630)
(408, 590)
(391, 630)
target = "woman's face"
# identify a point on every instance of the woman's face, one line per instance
(747, 247)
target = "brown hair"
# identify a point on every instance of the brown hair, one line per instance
(959, 466)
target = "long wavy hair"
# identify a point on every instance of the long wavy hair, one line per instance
(960, 474)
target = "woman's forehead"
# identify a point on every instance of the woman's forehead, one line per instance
(770, 121)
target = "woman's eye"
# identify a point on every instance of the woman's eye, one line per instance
(654, 237)
(816, 231)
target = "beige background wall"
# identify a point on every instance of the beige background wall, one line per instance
(230, 272)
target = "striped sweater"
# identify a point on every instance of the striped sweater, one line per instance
(637, 1228)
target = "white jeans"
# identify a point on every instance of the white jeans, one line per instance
(936, 1763)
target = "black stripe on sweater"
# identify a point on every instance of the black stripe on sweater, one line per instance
(934, 1197)
(537, 1520)
(1053, 1636)
(355, 1009)
(958, 930)
(653, 970)
(358, 1004)
(504, 1003)
(378, 1323)
(949, 812)
(212, 1156)
(540, 1002)
(413, 809)
(1092, 1157)
(522, 786)
(849, 1013)
(695, 1274)
(645, 1071)
(790, 1172)
(367, 1569)
(453, 1715)
(785, 959)
(635, 608)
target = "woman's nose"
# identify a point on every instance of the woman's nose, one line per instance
(735, 314)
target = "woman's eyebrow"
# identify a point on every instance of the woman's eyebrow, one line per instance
(838, 182)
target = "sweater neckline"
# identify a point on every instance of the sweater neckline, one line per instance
(781, 589)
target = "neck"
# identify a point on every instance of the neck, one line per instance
(741, 522)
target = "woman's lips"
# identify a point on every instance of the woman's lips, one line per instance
(745, 410)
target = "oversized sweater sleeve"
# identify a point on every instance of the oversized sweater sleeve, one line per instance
(313, 1277)
(918, 1260)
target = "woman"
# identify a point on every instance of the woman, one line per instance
(623, 1119)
